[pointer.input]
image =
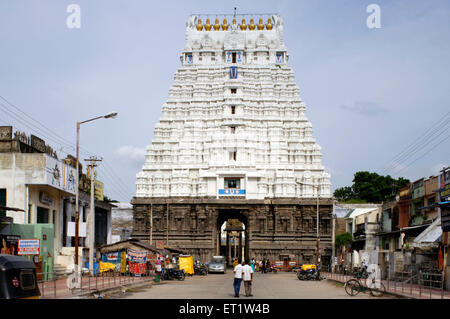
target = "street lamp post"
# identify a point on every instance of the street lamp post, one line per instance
(317, 221)
(77, 216)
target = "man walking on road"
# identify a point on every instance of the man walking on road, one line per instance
(237, 279)
(247, 274)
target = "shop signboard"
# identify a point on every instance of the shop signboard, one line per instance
(8, 244)
(444, 197)
(137, 256)
(28, 247)
(60, 175)
(112, 257)
(444, 193)
(45, 198)
(98, 190)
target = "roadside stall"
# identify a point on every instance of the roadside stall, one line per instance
(130, 256)
(137, 262)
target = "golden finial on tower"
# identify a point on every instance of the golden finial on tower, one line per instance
(216, 25)
(243, 25)
(260, 25)
(252, 25)
(269, 24)
(199, 25)
(207, 25)
(224, 25)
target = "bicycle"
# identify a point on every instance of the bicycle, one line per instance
(355, 286)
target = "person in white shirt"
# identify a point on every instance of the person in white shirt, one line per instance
(247, 276)
(237, 278)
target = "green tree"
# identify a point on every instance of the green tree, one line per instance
(371, 188)
(343, 239)
(344, 194)
(109, 200)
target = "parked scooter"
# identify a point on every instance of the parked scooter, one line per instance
(170, 274)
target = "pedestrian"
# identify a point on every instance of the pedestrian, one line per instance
(235, 262)
(267, 265)
(237, 279)
(252, 263)
(263, 268)
(247, 276)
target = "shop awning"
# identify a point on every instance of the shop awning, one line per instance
(430, 236)
(414, 227)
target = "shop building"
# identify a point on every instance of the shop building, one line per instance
(42, 189)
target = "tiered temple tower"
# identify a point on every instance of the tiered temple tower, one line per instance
(233, 142)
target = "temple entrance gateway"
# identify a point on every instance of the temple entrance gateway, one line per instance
(232, 231)
(282, 230)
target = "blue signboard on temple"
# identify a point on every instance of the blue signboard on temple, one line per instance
(231, 191)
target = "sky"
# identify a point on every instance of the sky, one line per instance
(369, 93)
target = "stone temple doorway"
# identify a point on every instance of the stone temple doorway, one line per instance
(233, 235)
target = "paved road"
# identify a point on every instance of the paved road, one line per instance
(265, 286)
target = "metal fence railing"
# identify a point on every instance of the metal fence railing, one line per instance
(54, 286)
(423, 284)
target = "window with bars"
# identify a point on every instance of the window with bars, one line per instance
(232, 182)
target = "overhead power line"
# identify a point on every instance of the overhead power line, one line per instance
(431, 134)
(41, 130)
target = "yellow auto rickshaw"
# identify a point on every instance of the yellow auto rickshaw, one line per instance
(18, 278)
(308, 266)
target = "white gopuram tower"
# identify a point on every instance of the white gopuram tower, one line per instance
(233, 130)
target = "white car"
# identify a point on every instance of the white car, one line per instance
(217, 264)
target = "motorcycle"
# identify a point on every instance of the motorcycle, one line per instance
(360, 272)
(309, 274)
(272, 269)
(200, 270)
(171, 273)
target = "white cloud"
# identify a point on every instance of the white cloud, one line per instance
(365, 108)
(130, 153)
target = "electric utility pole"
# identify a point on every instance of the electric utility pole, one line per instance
(92, 174)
